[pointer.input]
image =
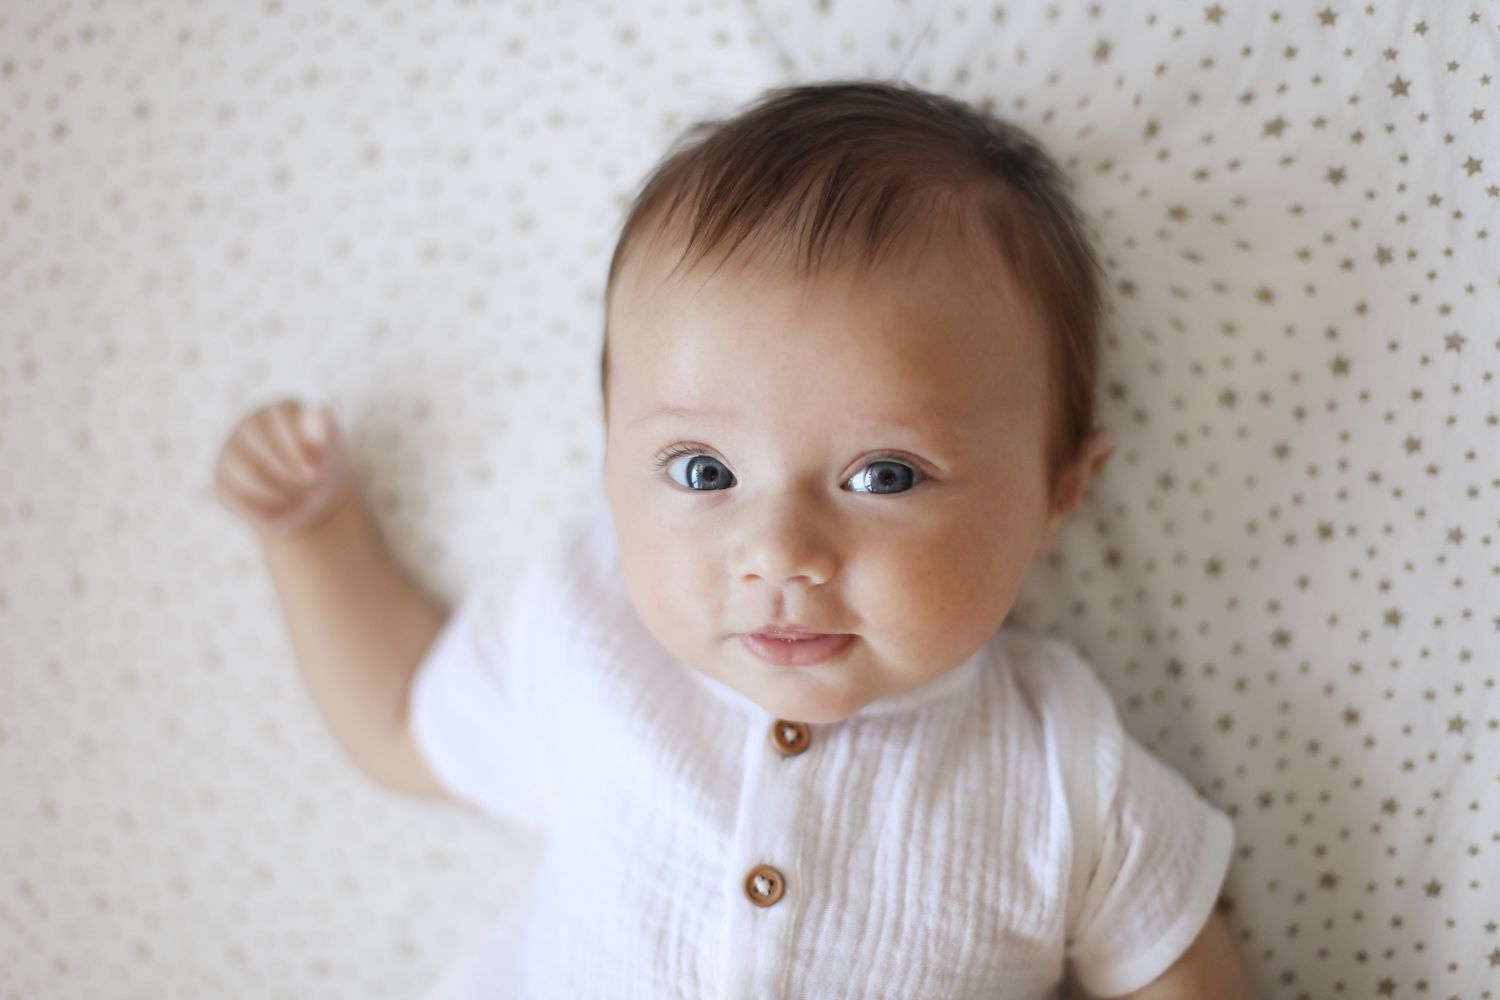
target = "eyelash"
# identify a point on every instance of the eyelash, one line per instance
(678, 450)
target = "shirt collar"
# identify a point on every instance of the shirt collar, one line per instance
(942, 686)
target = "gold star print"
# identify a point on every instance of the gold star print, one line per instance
(1251, 673)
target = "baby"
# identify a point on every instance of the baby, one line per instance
(757, 696)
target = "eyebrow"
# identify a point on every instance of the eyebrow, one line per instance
(714, 413)
(678, 411)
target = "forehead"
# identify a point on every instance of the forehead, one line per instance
(933, 313)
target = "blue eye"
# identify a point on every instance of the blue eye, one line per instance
(884, 476)
(702, 472)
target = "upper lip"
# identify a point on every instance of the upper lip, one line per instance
(788, 630)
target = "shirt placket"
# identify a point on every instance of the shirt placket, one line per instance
(766, 878)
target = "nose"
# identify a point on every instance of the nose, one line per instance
(786, 541)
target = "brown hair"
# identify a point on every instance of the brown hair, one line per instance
(816, 167)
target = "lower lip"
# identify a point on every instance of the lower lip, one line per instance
(796, 652)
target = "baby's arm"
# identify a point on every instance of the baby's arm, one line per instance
(358, 625)
(1209, 968)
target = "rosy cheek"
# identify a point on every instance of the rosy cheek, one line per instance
(900, 592)
(682, 565)
(943, 572)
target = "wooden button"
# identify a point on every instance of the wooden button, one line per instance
(764, 885)
(790, 738)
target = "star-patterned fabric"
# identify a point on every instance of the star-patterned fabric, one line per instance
(1288, 576)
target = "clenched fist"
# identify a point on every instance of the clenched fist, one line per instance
(284, 470)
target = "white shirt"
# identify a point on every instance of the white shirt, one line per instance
(962, 839)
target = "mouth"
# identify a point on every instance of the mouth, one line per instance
(792, 647)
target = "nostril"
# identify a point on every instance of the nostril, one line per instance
(780, 558)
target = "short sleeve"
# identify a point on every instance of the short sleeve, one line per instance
(473, 711)
(1155, 864)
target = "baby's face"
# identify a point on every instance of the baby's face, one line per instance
(862, 461)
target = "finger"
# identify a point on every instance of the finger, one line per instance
(240, 480)
(243, 507)
(295, 452)
(259, 446)
(315, 426)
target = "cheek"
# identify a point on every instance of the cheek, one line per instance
(667, 571)
(952, 583)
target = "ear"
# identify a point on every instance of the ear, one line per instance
(1067, 494)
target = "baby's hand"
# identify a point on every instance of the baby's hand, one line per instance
(284, 470)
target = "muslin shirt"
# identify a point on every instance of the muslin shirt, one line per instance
(976, 836)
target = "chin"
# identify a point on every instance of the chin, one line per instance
(814, 711)
(822, 718)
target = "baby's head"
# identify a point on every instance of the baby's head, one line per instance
(850, 346)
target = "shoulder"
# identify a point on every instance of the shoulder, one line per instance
(568, 563)
(529, 606)
(1055, 682)
(568, 607)
(1079, 732)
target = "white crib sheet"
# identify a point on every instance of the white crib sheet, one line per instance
(1288, 575)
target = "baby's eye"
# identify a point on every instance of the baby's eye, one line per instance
(884, 476)
(700, 472)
